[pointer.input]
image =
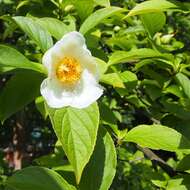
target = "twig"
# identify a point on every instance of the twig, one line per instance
(157, 160)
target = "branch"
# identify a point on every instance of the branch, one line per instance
(157, 160)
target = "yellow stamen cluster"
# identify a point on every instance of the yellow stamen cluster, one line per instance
(68, 70)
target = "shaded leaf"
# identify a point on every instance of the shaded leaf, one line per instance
(184, 82)
(20, 90)
(38, 178)
(100, 170)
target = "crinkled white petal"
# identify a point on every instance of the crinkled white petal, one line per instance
(82, 95)
(90, 92)
(53, 94)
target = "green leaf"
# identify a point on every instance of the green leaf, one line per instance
(54, 26)
(84, 8)
(135, 55)
(178, 184)
(175, 108)
(112, 79)
(157, 137)
(152, 6)
(100, 170)
(37, 33)
(184, 164)
(38, 178)
(104, 3)
(20, 90)
(5, 69)
(10, 57)
(153, 22)
(102, 66)
(175, 90)
(77, 131)
(128, 76)
(97, 17)
(41, 106)
(184, 82)
(130, 81)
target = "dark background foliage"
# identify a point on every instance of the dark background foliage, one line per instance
(152, 94)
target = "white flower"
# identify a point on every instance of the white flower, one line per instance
(72, 74)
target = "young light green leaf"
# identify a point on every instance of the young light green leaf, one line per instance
(157, 137)
(100, 170)
(184, 82)
(77, 131)
(135, 55)
(20, 90)
(112, 79)
(153, 22)
(104, 3)
(37, 33)
(97, 17)
(152, 6)
(102, 66)
(128, 76)
(10, 57)
(54, 26)
(4, 69)
(38, 178)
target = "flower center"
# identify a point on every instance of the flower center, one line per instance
(68, 70)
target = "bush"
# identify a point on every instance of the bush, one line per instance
(60, 135)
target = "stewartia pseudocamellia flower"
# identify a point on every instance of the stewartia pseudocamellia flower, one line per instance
(72, 74)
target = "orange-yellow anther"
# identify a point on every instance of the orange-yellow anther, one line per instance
(68, 70)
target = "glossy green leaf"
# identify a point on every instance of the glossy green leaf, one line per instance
(135, 55)
(37, 33)
(152, 6)
(77, 131)
(97, 17)
(184, 82)
(112, 79)
(38, 178)
(20, 90)
(10, 57)
(100, 171)
(153, 22)
(54, 26)
(128, 76)
(157, 137)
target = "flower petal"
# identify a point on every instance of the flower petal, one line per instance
(90, 92)
(53, 94)
(72, 44)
